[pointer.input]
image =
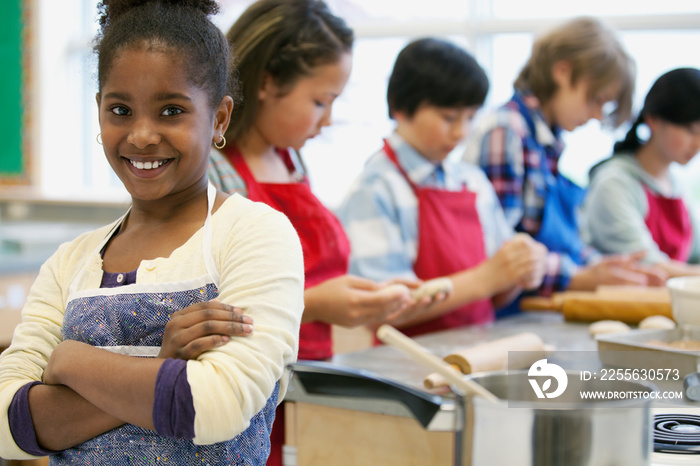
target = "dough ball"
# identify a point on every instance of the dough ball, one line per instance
(395, 290)
(432, 287)
(657, 323)
(608, 326)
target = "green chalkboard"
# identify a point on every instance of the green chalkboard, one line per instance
(11, 115)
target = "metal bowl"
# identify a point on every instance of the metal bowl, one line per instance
(525, 430)
(685, 299)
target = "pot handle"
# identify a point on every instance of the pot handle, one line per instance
(322, 378)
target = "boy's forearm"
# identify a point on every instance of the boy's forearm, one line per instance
(476, 283)
(470, 285)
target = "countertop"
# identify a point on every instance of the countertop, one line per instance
(394, 364)
(570, 339)
(32, 227)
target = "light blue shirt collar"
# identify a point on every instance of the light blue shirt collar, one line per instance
(419, 169)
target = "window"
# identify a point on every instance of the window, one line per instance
(514, 9)
(498, 32)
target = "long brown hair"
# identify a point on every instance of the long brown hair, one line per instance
(284, 39)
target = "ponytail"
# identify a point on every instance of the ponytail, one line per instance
(632, 141)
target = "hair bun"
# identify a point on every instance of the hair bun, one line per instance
(110, 10)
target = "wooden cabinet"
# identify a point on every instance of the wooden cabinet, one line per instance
(344, 437)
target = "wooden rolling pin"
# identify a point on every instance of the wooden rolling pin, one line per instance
(493, 355)
(625, 303)
(631, 312)
(389, 335)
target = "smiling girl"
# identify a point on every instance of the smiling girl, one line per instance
(130, 350)
(634, 200)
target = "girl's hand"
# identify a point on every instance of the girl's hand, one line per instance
(201, 327)
(618, 269)
(655, 275)
(189, 333)
(351, 301)
(413, 312)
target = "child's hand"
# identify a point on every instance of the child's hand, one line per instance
(351, 301)
(618, 269)
(655, 275)
(413, 312)
(536, 265)
(519, 262)
(201, 327)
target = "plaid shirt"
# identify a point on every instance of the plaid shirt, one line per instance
(380, 212)
(498, 146)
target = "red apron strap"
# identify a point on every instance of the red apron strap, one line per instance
(391, 155)
(450, 239)
(256, 192)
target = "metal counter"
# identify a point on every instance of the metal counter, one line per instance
(393, 364)
(362, 407)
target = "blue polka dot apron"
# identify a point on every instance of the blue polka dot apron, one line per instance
(131, 320)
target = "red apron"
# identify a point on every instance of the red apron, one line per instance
(669, 224)
(326, 251)
(450, 239)
(325, 246)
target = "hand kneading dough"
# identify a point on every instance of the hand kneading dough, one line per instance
(432, 287)
(395, 290)
(657, 323)
(608, 326)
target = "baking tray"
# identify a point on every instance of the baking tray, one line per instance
(614, 349)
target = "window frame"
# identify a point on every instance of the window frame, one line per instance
(479, 29)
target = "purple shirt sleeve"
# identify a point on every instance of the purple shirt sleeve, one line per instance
(173, 408)
(21, 424)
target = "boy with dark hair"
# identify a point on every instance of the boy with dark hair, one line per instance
(414, 213)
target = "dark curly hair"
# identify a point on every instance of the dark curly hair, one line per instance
(285, 39)
(180, 26)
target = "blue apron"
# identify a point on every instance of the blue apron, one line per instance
(562, 198)
(130, 320)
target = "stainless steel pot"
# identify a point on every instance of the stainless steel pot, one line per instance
(522, 430)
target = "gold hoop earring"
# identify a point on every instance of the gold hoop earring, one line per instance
(221, 144)
(98, 138)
